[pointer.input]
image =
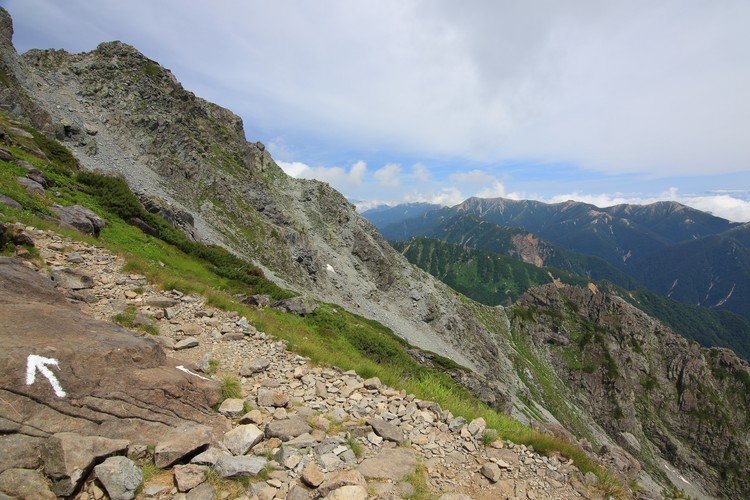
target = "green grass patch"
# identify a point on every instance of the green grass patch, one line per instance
(354, 445)
(231, 388)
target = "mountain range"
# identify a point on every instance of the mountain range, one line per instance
(669, 248)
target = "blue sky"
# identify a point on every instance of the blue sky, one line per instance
(393, 101)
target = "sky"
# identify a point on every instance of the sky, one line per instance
(394, 101)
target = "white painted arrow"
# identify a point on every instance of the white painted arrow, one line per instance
(183, 369)
(34, 363)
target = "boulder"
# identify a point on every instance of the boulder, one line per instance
(80, 218)
(491, 471)
(24, 483)
(232, 407)
(254, 366)
(32, 186)
(162, 302)
(390, 463)
(36, 175)
(71, 279)
(287, 429)
(10, 202)
(120, 477)
(296, 305)
(189, 476)
(145, 228)
(69, 457)
(186, 343)
(312, 475)
(208, 457)
(181, 443)
(258, 300)
(373, 383)
(386, 430)
(227, 466)
(242, 438)
(341, 479)
(477, 426)
(203, 491)
(349, 492)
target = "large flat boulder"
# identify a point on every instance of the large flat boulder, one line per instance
(390, 463)
(63, 371)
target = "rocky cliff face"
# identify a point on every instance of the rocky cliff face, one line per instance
(123, 113)
(660, 395)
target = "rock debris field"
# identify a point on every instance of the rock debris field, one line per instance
(299, 430)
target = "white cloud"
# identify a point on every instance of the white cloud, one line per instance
(611, 86)
(420, 173)
(336, 176)
(473, 177)
(388, 176)
(448, 196)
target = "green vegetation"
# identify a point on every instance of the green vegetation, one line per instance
(230, 387)
(151, 70)
(354, 445)
(418, 481)
(489, 437)
(329, 336)
(127, 318)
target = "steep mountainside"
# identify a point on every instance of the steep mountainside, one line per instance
(657, 392)
(124, 114)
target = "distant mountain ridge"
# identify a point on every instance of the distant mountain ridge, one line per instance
(669, 248)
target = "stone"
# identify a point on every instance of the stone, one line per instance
(69, 457)
(252, 417)
(287, 429)
(19, 451)
(503, 455)
(71, 279)
(312, 475)
(142, 319)
(477, 426)
(80, 218)
(36, 175)
(456, 424)
(373, 383)
(297, 305)
(24, 483)
(297, 492)
(456, 496)
(242, 438)
(341, 479)
(232, 407)
(203, 491)
(390, 463)
(350, 492)
(258, 300)
(161, 302)
(189, 476)
(181, 442)
(491, 471)
(74, 258)
(10, 202)
(31, 186)
(186, 343)
(227, 466)
(208, 457)
(137, 451)
(386, 430)
(120, 477)
(631, 441)
(249, 368)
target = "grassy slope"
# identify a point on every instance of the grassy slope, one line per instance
(330, 336)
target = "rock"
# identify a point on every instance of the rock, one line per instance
(141, 319)
(456, 424)
(181, 443)
(590, 479)
(6, 155)
(189, 476)
(25, 483)
(457, 496)
(161, 302)
(80, 218)
(624, 463)
(203, 491)
(503, 455)
(32, 186)
(312, 476)
(373, 383)
(350, 492)
(74, 258)
(228, 466)
(254, 366)
(272, 398)
(242, 438)
(69, 457)
(10, 202)
(341, 479)
(36, 175)
(186, 343)
(72, 279)
(208, 457)
(120, 477)
(390, 463)
(297, 492)
(19, 451)
(386, 430)
(252, 417)
(191, 329)
(631, 441)
(287, 429)
(145, 228)
(232, 407)
(258, 300)
(491, 471)
(297, 305)
(477, 426)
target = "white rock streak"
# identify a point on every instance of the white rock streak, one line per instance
(34, 363)
(183, 369)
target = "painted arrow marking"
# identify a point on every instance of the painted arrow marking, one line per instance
(183, 369)
(34, 363)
